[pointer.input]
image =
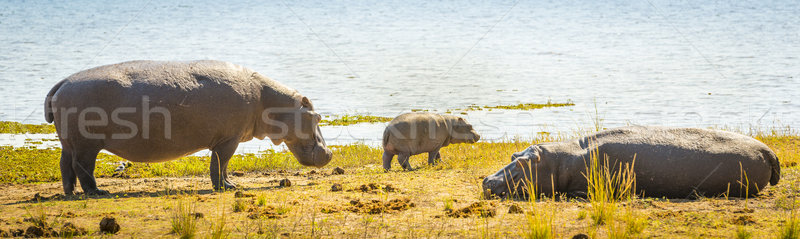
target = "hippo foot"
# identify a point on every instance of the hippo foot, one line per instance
(97, 192)
(409, 169)
(226, 186)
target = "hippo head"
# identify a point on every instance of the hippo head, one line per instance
(298, 128)
(462, 131)
(527, 171)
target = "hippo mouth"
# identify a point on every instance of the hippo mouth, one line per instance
(502, 185)
(315, 155)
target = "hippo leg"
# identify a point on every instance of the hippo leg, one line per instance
(434, 157)
(220, 156)
(83, 166)
(68, 178)
(402, 158)
(387, 160)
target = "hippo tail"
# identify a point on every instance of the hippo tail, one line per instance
(775, 164)
(385, 137)
(48, 107)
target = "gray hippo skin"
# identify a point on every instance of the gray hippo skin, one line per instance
(148, 111)
(669, 162)
(415, 133)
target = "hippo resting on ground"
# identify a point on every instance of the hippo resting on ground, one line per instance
(669, 162)
(148, 111)
(415, 133)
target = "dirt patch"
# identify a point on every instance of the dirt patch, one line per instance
(480, 209)
(374, 188)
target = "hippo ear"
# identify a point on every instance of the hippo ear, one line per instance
(305, 102)
(276, 142)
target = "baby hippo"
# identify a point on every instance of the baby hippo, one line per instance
(416, 133)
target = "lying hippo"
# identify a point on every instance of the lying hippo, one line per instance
(161, 111)
(669, 162)
(415, 133)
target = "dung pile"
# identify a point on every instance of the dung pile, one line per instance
(373, 206)
(42, 229)
(378, 206)
(374, 188)
(265, 212)
(481, 209)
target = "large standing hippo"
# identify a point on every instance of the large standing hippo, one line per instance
(669, 162)
(149, 111)
(415, 133)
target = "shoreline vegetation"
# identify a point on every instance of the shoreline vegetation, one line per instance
(10, 127)
(354, 197)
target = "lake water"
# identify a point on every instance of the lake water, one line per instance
(680, 63)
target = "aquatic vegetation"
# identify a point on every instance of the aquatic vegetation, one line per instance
(345, 120)
(528, 106)
(10, 127)
(520, 106)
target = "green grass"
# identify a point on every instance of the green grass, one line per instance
(183, 220)
(9, 127)
(345, 120)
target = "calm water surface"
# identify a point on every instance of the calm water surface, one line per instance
(680, 63)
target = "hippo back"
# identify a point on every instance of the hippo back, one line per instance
(678, 162)
(187, 106)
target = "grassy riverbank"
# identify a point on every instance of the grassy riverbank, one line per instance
(439, 201)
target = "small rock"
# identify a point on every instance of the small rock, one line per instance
(336, 187)
(197, 215)
(514, 209)
(109, 225)
(389, 188)
(580, 236)
(285, 183)
(237, 173)
(337, 171)
(313, 172)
